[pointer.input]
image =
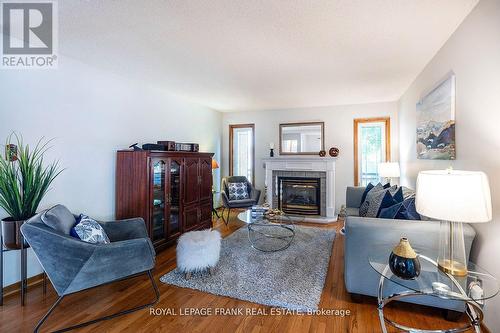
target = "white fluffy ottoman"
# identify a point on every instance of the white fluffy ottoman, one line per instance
(198, 251)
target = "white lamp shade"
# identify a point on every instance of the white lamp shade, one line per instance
(452, 195)
(388, 169)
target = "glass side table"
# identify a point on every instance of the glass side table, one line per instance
(473, 289)
(268, 234)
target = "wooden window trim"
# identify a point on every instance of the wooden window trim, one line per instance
(231, 128)
(387, 121)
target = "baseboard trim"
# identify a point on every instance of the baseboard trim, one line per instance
(15, 288)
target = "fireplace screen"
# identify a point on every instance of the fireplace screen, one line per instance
(299, 196)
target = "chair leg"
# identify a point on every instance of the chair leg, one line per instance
(44, 283)
(227, 218)
(157, 294)
(40, 323)
(215, 212)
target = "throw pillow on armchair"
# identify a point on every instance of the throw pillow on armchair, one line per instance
(238, 191)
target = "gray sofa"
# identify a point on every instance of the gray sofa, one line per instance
(364, 234)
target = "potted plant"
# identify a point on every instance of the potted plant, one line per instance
(24, 181)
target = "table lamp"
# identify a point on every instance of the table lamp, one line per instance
(388, 170)
(454, 197)
(215, 165)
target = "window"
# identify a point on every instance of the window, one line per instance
(372, 145)
(242, 151)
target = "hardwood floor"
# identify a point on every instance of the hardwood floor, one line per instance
(118, 296)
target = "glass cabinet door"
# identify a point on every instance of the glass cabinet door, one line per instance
(174, 198)
(159, 200)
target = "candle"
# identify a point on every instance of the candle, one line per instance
(271, 145)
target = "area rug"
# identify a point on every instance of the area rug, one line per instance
(292, 278)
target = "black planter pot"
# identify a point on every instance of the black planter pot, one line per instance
(11, 233)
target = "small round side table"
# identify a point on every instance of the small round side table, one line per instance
(473, 290)
(269, 234)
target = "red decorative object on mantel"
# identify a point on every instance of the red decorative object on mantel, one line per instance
(334, 152)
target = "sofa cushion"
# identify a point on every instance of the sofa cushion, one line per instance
(363, 209)
(238, 191)
(399, 195)
(367, 189)
(392, 212)
(402, 211)
(73, 232)
(374, 200)
(387, 201)
(59, 218)
(411, 209)
(351, 211)
(392, 201)
(90, 231)
(242, 203)
(407, 192)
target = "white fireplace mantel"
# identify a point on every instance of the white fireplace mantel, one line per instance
(299, 163)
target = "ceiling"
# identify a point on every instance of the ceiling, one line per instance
(235, 55)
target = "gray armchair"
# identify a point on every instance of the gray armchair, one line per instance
(230, 204)
(73, 265)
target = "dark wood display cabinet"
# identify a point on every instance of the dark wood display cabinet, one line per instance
(171, 191)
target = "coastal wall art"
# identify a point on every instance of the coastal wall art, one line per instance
(436, 122)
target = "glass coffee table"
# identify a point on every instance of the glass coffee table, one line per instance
(269, 234)
(473, 290)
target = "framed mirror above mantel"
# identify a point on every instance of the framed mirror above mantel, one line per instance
(306, 138)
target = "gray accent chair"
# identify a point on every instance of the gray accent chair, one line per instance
(231, 204)
(73, 265)
(363, 234)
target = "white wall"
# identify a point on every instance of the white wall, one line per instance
(338, 132)
(91, 114)
(473, 53)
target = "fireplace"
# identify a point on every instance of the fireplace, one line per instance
(299, 195)
(303, 167)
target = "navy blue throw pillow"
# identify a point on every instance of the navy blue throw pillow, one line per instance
(387, 201)
(411, 210)
(402, 211)
(73, 232)
(398, 196)
(386, 186)
(392, 211)
(367, 189)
